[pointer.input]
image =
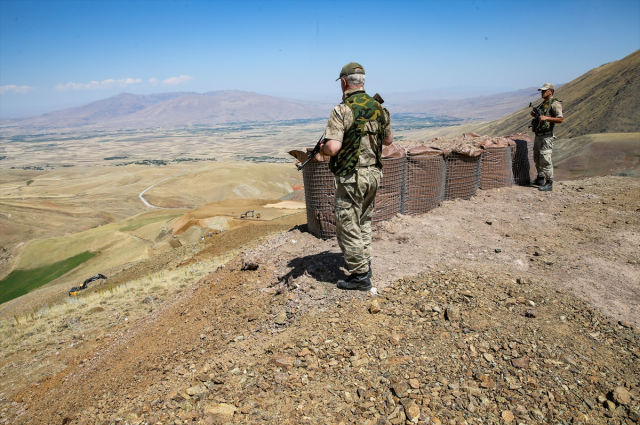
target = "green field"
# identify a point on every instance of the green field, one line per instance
(20, 282)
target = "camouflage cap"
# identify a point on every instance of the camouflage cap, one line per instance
(547, 86)
(351, 68)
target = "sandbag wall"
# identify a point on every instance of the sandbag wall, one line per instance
(424, 180)
(419, 181)
(524, 167)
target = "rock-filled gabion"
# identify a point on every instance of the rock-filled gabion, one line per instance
(524, 167)
(319, 190)
(389, 195)
(463, 176)
(425, 180)
(496, 167)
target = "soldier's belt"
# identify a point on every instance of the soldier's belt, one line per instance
(544, 134)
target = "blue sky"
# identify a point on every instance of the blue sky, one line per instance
(62, 53)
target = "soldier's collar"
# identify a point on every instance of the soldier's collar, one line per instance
(351, 92)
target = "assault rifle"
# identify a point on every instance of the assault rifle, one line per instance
(313, 153)
(535, 122)
(316, 149)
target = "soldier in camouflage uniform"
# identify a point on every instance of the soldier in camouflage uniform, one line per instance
(550, 114)
(356, 131)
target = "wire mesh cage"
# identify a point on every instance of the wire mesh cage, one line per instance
(319, 193)
(424, 183)
(496, 167)
(463, 176)
(389, 195)
(524, 168)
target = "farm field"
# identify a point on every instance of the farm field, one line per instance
(252, 141)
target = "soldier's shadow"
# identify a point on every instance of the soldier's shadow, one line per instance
(323, 267)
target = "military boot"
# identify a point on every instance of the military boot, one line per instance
(356, 282)
(548, 187)
(537, 182)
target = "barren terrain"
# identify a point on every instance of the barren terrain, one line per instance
(515, 306)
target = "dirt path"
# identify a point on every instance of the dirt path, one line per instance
(499, 309)
(154, 185)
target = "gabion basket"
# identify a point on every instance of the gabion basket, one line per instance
(319, 193)
(463, 176)
(425, 183)
(496, 167)
(524, 168)
(389, 195)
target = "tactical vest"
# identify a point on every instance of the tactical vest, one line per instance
(365, 110)
(544, 127)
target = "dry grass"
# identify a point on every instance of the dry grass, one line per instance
(39, 343)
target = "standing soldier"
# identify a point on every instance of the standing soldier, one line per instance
(550, 115)
(356, 131)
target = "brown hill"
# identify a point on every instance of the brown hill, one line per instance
(95, 112)
(604, 100)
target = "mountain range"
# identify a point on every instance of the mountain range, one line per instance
(126, 110)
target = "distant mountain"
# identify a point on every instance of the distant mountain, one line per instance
(604, 100)
(488, 107)
(127, 110)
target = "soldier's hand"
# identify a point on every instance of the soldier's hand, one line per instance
(532, 114)
(543, 118)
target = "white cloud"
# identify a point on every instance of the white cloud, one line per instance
(15, 89)
(177, 80)
(153, 80)
(97, 85)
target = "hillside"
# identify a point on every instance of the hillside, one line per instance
(127, 110)
(604, 100)
(476, 321)
(597, 155)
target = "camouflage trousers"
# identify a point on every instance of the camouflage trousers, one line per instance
(542, 148)
(354, 203)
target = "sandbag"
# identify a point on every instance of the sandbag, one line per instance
(467, 151)
(393, 151)
(302, 156)
(423, 150)
(498, 142)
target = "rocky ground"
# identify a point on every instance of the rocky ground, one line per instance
(513, 307)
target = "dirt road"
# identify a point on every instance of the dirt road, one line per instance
(154, 185)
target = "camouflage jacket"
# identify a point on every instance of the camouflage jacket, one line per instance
(370, 121)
